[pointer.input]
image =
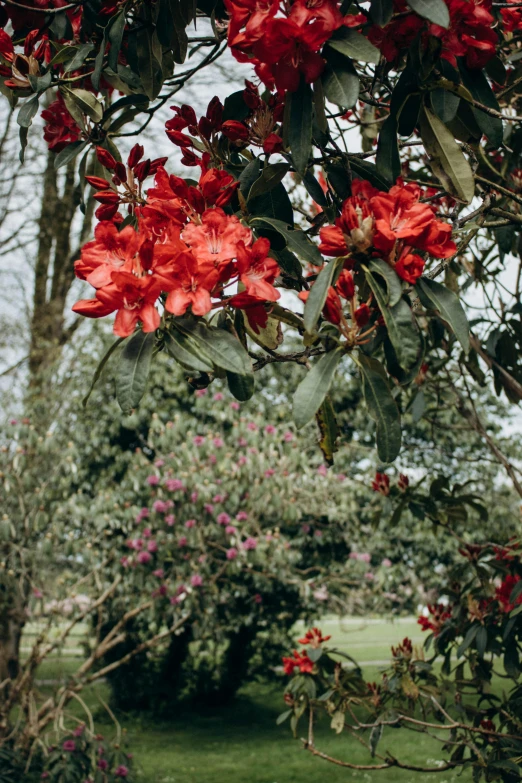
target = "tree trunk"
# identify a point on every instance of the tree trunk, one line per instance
(12, 621)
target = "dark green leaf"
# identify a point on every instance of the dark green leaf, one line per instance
(27, 111)
(340, 80)
(375, 736)
(133, 369)
(296, 240)
(354, 45)
(218, 346)
(270, 176)
(388, 161)
(235, 107)
(435, 296)
(80, 55)
(249, 175)
(401, 327)
(275, 204)
(99, 369)
(86, 102)
(299, 129)
(241, 386)
(393, 282)
(328, 429)
(381, 407)
(445, 104)
(69, 153)
(284, 716)
(468, 639)
(482, 640)
(184, 351)
(369, 171)
(446, 158)
(115, 37)
(314, 189)
(148, 67)
(476, 82)
(317, 296)
(381, 11)
(435, 11)
(312, 390)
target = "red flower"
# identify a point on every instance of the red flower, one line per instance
(354, 230)
(409, 267)
(314, 638)
(503, 593)
(191, 286)
(217, 238)
(257, 271)
(299, 661)
(381, 483)
(438, 614)
(60, 129)
(109, 251)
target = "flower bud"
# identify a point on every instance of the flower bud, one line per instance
(98, 183)
(105, 158)
(135, 155)
(235, 131)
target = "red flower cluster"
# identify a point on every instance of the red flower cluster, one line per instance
(404, 649)
(60, 129)
(470, 34)
(512, 17)
(388, 225)
(184, 246)
(314, 638)
(381, 483)
(283, 42)
(438, 614)
(299, 661)
(503, 593)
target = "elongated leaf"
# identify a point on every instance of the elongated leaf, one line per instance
(25, 116)
(329, 430)
(296, 240)
(86, 102)
(447, 159)
(381, 407)
(270, 176)
(184, 351)
(445, 104)
(381, 11)
(217, 346)
(339, 79)
(241, 386)
(366, 170)
(388, 161)
(133, 370)
(401, 327)
(115, 36)
(99, 369)
(393, 282)
(375, 736)
(354, 45)
(435, 11)
(317, 296)
(435, 296)
(149, 68)
(69, 153)
(477, 84)
(300, 125)
(80, 55)
(312, 390)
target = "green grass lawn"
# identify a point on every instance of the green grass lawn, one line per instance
(241, 743)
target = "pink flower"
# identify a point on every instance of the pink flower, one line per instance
(160, 506)
(230, 530)
(13, 422)
(200, 392)
(223, 518)
(152, 546)
(250, 543)
(318, 533)
(69, 745)
(322, 470)
(153, 480)
(253, 450)
(341, 477)
(212, 459)
(270, 429)
(218, 397)
(144, 558)
(190, 523)
(194, 497)
(353, 556)
(143, 514)
(159, 463)
(241, 516)
(252, 426)
(196, 580)
(209, 508)
(288, 436)
(170, 519)
(242, 442)
(218, 498)
(78, 731)
(306, 529)
(159, 572)
(235, 406)
(231, 553)
(258, 598)
(364, 557)
(124, 561)
(369, 576)
(173, 485)
(198, 440)
(121, 771)
(182, 541)
(387, 563)
(241, 461)
(37, 593)
(103, 764)
(146, 533)
(218, 442)
(269, 473)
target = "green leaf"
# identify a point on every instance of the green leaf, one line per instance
(317, 296)
(482, 640)
(339, 79)
(381, 11)
(476, 82)
(435, 296)
(275, 205)
(25, 116)
(80, 55)
(170, 27)
(99, 369)
(300, 114)
(447, 159)
(284, 716)
(393, 282)
(69, 153)
(353, 44)
(241, 386)
(148, 66)
(401, 327)
(328, 429)
(86, 102)
(133, 369)
(375, 736)
(445, 104)
(115, 37)
(312, 390)
(184, 351)
(296, 240)
(217, 345)
(381, 407)
(388, 161)
(369, 171)
(270, 176)
(435, 11)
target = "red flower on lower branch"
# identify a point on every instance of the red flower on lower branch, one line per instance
(299, 661)
(314, 638)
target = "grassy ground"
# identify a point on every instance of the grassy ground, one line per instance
(241, 743)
